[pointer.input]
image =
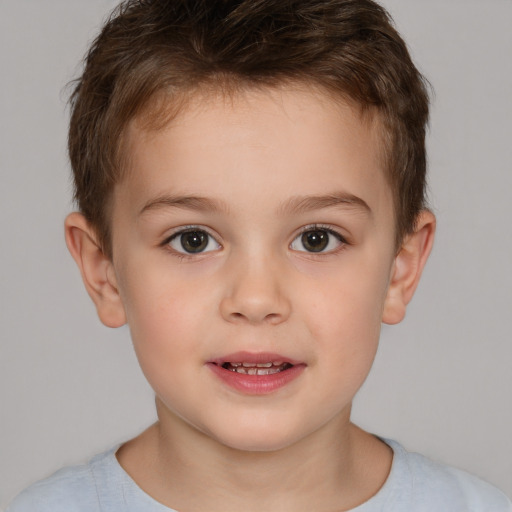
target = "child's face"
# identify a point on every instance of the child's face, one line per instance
(258, 229)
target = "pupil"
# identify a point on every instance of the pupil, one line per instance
(315, 241)
(194, 241)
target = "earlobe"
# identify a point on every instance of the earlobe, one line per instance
(407, 268)
(96, 268)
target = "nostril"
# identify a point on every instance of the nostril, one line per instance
(273, 318)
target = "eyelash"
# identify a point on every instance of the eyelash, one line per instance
(306, 229)
(322, 228)
(182, 231)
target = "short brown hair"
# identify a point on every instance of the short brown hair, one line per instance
(149, 47)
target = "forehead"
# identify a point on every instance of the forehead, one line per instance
(293, 140)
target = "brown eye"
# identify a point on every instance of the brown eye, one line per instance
(317, 240)
(193, 241)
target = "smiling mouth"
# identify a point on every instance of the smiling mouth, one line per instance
(256, 373)
(269, 368)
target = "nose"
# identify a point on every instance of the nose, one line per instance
(255, 293)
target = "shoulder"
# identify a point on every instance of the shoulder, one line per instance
(433, 486)
(71, 489)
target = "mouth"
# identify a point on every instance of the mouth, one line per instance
(256, 374)
(246, 368)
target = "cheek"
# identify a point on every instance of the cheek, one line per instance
(162, 328)
(348, 298)
(347, 331)
(162, 314)
(344, 316)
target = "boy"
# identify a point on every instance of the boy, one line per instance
(250, 177)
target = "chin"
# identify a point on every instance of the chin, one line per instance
(257, 438)
(266, 445)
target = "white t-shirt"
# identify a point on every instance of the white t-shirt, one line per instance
(415, 484)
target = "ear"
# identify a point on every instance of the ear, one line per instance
(408, 266)
(96, 268)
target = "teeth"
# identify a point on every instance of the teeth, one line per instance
(256, 371)
(268, 368)
(257, 365)
(268, 371)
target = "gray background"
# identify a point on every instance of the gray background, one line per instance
(442, 384)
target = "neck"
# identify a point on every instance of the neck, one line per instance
(335, 468)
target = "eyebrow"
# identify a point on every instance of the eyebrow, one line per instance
(304, 204)
(186, 202)
(294, 205)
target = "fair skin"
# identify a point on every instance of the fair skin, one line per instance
(257, 228)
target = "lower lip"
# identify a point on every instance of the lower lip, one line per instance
(257, 384)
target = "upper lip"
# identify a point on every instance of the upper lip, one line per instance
(254, 358)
